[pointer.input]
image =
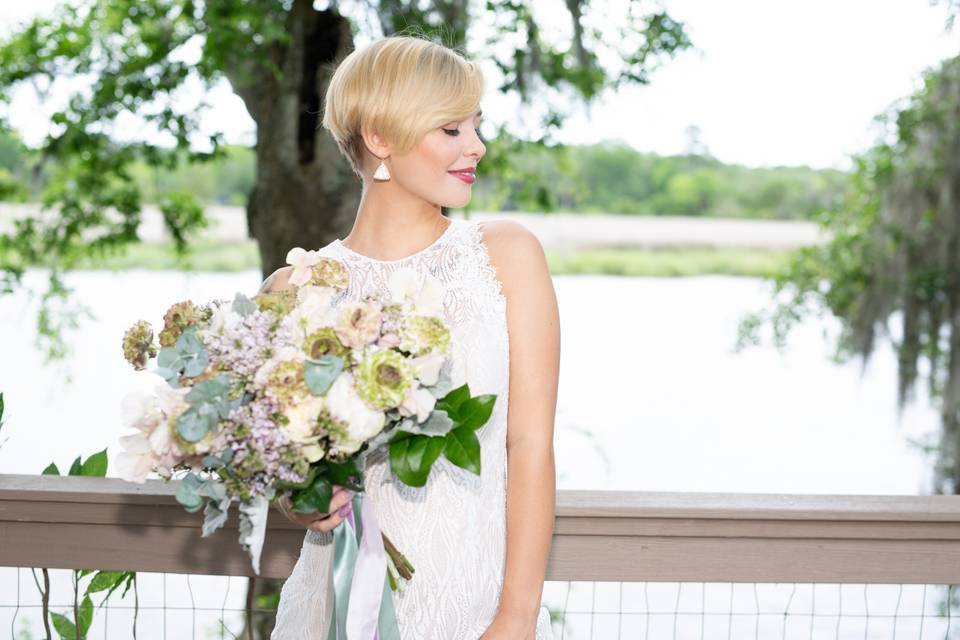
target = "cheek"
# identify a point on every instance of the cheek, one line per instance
(440, 151)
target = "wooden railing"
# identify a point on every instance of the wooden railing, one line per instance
(105, 523)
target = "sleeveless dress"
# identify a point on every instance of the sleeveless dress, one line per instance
(453, 529)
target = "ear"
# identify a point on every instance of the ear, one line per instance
(375, 144)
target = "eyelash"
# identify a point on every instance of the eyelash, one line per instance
(456, 132)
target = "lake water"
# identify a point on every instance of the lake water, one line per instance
(651, 397)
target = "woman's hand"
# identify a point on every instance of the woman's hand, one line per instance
(340, 506)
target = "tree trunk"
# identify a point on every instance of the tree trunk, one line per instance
(305, 193)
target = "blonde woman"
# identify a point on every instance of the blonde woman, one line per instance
(405, 112)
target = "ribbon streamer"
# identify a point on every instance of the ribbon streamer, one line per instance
(363, 599)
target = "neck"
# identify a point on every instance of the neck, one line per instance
(392, 222)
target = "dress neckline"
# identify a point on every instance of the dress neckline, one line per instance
(439, 239)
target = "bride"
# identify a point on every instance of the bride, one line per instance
(404, 111)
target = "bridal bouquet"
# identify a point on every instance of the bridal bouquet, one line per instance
(287, 394)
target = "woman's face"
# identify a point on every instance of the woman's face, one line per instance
(440, 169)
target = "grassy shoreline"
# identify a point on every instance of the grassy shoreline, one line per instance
(661, 262)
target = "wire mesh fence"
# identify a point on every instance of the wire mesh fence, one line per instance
(180, 606)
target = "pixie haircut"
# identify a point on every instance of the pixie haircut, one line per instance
(400, 87)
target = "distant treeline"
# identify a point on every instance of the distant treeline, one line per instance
(607, 177)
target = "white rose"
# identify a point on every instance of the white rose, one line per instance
(363, 423)
(302, 426)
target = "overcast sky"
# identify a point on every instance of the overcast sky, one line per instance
(772, 82)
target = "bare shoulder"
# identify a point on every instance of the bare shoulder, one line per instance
(277, 281)
(515, 252)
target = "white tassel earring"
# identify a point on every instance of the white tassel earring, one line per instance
(382, 173)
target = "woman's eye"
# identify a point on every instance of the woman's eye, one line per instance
(452, 132)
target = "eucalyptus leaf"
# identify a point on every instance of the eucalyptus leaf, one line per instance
(169, 375)
(193, 425)
(212, 390)
(187, 496)
(170, 358)
(320, 373)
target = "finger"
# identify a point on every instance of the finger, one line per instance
(327, 524)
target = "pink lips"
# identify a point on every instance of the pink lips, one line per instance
(467, 175)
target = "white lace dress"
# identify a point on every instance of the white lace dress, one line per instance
(453, 529)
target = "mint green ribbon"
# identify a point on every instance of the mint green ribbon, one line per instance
(345, 553)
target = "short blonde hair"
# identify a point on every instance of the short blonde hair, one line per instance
(400, 87)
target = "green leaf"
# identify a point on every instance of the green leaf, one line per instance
(75, 467)
(475, 412)
(104, 580)
(320, 373)
(315, 498)
(463, 449)
(85, 616)
(452, 401)
(51, 470)
(95, 465)
(345, 474)
(64, 626)
(412, 458)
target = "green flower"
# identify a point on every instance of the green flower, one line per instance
(280, 302)
(177, 318)
(329, 273)
(324, 342)
(285, 383)
(138, 345)
(422, 334)
(383, 379)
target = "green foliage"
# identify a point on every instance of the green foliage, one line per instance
(70, 628)
(94, 466)
(412, 453)
(893, 256)
(135, 55)
(320, 373)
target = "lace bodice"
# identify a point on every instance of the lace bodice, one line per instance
(453, 529)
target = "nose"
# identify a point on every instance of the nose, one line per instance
(477, 149)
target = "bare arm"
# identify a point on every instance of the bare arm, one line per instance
(534, 327)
